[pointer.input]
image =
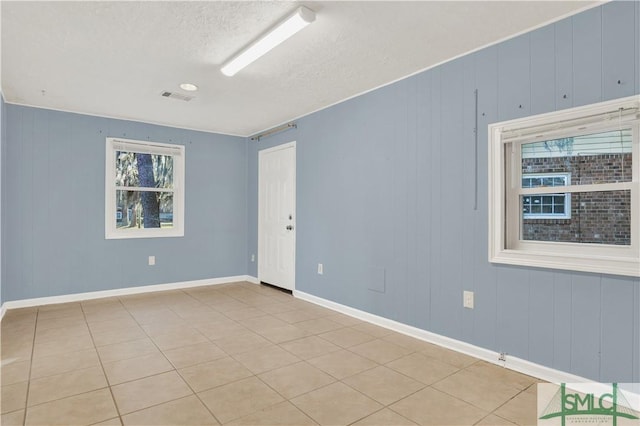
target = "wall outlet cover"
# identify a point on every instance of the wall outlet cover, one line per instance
(467, 299)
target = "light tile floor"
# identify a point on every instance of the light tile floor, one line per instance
(239, 354)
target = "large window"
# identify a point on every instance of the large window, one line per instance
(144, 189)
(564, 189)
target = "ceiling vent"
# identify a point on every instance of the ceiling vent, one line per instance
(178, 96)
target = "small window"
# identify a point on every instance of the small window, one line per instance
(564, 189)
(144, 189)
(551, 206)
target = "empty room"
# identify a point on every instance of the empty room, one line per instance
(320, 212)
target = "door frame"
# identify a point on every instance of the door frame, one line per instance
(286, 145)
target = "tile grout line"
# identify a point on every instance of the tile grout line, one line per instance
(284, 397)
(33, 348)
(101, 361)
(278, 345)
(512, 398)
(260, 379)
(187, 383)
(52, 375)
(473, 404)
(253, 374)
(106, 378)
(174, 369)
(338, 380)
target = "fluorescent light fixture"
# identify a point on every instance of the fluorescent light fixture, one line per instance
(298, 20)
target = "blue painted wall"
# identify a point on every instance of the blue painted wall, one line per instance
(53, 207)
(386, 190)
(2, 145)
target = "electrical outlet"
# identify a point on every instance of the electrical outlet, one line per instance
(320, 269)
(467, 299)
(152, 260)
(253, 257)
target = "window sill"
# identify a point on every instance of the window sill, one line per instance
(142, 233)
(583, 263)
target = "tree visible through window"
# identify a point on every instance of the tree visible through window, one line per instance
(145, 187)
(151, 204)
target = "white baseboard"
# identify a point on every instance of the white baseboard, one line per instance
(252, 280)
(39, 301)
(513, 363)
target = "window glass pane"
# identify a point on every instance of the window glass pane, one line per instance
(590, 159)
(144, 209)
(544, 206)
(144, 170)
(596, 217)
(537, 181)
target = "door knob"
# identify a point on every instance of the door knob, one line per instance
(289, 228)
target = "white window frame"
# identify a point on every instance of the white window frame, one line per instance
(177, 152)
(505, 181)
(567, 198)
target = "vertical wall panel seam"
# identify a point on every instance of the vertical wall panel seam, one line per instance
(637, 50)
(572, 325)
(248, 213)
(31, 196)
(3, 182)
(416, 261)
(476, 187)
(634, 336)
(429, 225)
(573, 68)
(530, 100)
(498, 339)
(49, 212)
(409, 235)
(636, 364)
(555, 66)
(529, 273)
(602, 73)
(528, 315)
(434, 140)
(601, 331)
(573, 71)
(429, 228)
(553, 328)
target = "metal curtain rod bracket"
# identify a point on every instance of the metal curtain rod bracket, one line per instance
(273, 131)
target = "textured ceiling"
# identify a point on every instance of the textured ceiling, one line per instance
(115, 58)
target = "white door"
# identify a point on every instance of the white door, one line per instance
(277, 215)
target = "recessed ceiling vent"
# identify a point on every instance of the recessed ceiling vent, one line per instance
(178, 96)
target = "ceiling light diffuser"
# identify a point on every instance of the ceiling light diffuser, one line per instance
(292, 24)
(189, 87)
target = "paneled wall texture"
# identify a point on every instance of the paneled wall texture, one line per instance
(392, 200)
(53, 204)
